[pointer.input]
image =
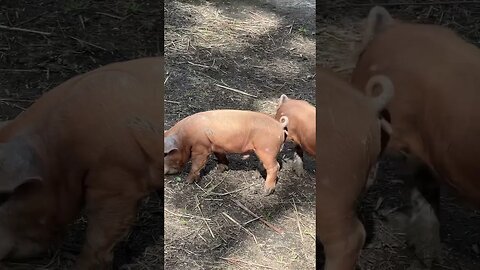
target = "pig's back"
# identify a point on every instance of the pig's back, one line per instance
(235, 131)
(90, 115)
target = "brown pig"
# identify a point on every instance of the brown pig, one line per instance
(301, 127)
(434, 115)
(349, 133)
(221, 132)
(92, 142)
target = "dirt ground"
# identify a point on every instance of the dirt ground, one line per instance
(265, 49)
(80, 35)
(339, 27)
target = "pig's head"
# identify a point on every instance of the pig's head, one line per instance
(174, 158)
(22, 233)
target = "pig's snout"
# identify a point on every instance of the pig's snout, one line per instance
(170, 170)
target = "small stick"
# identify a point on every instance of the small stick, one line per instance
(236, 91)
(109, 15)
(171, 101)
(89, 43)
(23, 30)
(13, 105)
(81, 21)
(280, 231)
(298, 220)
(198, 65)
(166, 79)
(20, 70)
(209, 191)
(250, 221)
(201, 212)
(230, 192)
(202, 238)
(31, 19)
(233, 260)
(236, 222)
(185, 216)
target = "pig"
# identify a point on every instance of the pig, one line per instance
(301, 128)
(434, 115)
(350, 143)
(92, 143)
(220, 132)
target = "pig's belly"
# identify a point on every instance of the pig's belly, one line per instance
(232, 146)
(229, 141)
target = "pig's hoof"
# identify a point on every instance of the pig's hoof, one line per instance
(192, 179)
(222, 168)
(268, 191)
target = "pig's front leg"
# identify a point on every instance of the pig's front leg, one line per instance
(222, 160)
(111, 211)
(269, 161)
(198, 162)
(298, 161)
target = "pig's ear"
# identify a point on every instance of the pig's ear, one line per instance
(170, 144)
(18, 166)
(282, 99)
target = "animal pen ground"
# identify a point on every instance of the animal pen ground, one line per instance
(264, 49)
(73, 37)
(339, 28)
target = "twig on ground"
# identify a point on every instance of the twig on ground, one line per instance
(233, 260)
(209, 191)
(20, 70)
(166, 79)
(110, 15)
(236, 222)
(250, 221)
(230, 192)
(236, 91)
(13, 105)
(24, 30)
(31, 19)
(201, 213)
(185, 215)
(198, 65)
(298, 220)
(271, 226)
(89, 43)
(171, 101)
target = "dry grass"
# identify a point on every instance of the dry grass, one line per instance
(212, 28)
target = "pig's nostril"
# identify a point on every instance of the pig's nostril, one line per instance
(4, 197)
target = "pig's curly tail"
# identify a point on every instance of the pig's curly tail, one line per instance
(284, 121)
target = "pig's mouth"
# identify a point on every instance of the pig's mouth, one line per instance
(171, 170)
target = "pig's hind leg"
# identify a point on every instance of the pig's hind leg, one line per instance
(269, 161)
(222, 162)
